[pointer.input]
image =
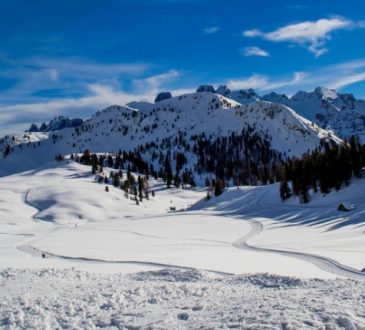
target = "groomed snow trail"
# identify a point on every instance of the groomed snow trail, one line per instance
(27, 247)
(324, 263)
(327, 264)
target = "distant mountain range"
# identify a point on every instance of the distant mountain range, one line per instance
(341, 113)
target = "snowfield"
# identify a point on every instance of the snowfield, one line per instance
(172, 299)
(241, 260)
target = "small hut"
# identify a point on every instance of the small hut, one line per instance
(345, 207)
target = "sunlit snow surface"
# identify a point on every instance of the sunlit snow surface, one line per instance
(203, 256)
(170, 299)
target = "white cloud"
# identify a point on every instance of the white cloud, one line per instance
(296, 79)
(211, 30)
(344, 81)
(255, 81)
(337, 76)
(311, 34)
(96, 96)
(154, 83)
(252, 33)
(69, 76)
(264, 82)
(255, 51)
(99, 96)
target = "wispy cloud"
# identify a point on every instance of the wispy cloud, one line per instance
(211, 30)
(335, 76)
(255, 51)
(70, 75)
(154, 83)
(255, 81)
(98, 97)
(310, 34)
(264, 82)
(79, 87)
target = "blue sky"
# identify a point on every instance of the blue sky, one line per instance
(74, 57)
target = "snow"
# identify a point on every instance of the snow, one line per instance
(241, 260)
(171, 299)
(62, 212)
(326, 93)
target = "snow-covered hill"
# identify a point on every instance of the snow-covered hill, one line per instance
(169, 125)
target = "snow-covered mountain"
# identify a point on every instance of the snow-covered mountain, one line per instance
(341, 113)
(169, 125)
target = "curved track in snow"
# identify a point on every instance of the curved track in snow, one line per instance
(26, 247)
(327, 264)
(324, 263)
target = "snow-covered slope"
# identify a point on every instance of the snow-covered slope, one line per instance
(63, 212)
(181, 117)
(204, 259)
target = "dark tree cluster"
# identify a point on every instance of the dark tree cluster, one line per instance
(245, 158)
(331, 166)
(135, 189)
(242, 159)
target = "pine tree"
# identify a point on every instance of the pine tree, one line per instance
(219, 187)
(285, 191)
(116, 181)
(94, 164)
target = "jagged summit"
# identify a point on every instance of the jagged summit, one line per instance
(223, 90)
(57, 123)
(276, 98)
(205, 88)
(326, 93)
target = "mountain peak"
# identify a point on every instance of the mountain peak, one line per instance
(205, 88)
(326, 93)
(223, 90)
(163, 96)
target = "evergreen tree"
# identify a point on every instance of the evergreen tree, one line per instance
(116, 181)
(219, 187)
(285, 191)
(94, 164)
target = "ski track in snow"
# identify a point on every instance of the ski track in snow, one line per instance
(26, 247)
(324, 263)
